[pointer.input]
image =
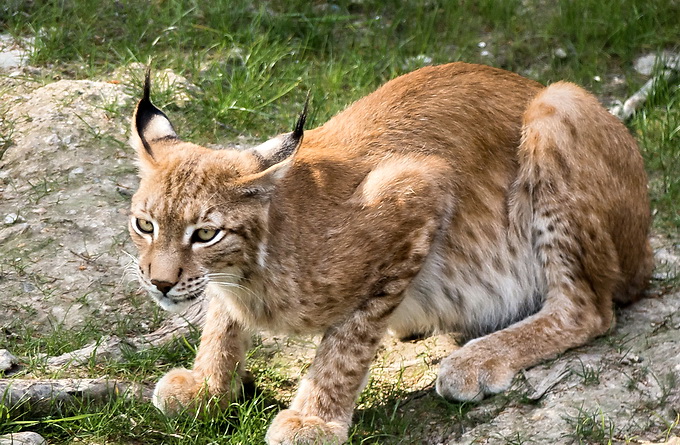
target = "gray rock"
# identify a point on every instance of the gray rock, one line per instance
(7, 360)
(11, 56)
(645, 65)
(13, 218)
(560, 53)
(12, 231)
(23, 438)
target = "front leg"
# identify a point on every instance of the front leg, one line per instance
(216, 375)
(321, 411)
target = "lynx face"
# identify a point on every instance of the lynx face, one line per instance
(197, 216)
(183, 243)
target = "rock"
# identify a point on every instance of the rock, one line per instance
(418, 61)
(11, 58)
(11, 54)
(23, 438)
(13, 218)
(645, 65)
(7, 360)
(12, 231)
(63, 177)
(560, 53)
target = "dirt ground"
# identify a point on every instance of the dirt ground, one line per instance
(66, 177)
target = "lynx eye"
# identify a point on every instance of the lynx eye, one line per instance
(144, 225)
(204, 235)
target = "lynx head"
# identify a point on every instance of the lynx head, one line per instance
(199, 215)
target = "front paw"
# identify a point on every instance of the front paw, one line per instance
(291, 428)
(181, 390)
(470, 373)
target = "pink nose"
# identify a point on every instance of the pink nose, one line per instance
(163, 286)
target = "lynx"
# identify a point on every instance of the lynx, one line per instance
(455, 198)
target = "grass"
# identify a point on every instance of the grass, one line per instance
(588, 374)
(6, 130)
(252, 64)
(591, 427)
(657, 128)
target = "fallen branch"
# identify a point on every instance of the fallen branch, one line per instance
(111, 347)
(41, 394)
(630, 106)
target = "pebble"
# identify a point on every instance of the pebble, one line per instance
(52, 139)
(630, 359)
(13, 218)
(560, 53)
(76, 171)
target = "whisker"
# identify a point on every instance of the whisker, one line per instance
(219, 275)
(237, 286)
(131, 271)
(132, 257)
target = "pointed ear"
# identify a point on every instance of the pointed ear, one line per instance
(149, 125)
(283, 146)
(262, 184)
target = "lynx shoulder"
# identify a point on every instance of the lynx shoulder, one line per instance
(455, 198)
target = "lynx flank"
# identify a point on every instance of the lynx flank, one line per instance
(455, 198)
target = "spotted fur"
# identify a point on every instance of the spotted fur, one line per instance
(454, 198)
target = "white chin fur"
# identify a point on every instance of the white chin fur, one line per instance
(171, 306)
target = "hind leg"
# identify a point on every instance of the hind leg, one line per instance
(579, 270)
(487, 365)
(577, 308)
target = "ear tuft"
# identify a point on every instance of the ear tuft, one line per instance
(149, 124)
(283, 146)
(298, 130)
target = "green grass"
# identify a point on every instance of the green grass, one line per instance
(252, 64)
(657, 128)
(132, 422)
(591, 427)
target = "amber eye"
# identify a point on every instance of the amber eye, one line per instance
(204, 235)
(144, 225)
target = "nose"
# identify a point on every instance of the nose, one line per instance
(163, 286)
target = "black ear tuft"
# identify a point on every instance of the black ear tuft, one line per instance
(299, 129)
(283, 146)
(151, 123)
(147, 84)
